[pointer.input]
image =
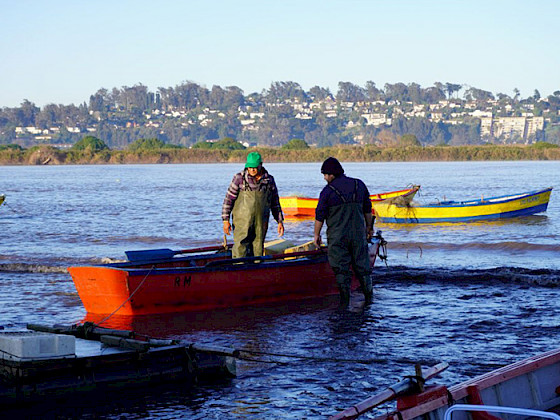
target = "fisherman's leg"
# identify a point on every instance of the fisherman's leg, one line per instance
(242, 240)
(258, 241)
(340, 262)
(362, 268)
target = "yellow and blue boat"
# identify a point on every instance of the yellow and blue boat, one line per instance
(304, 207)
(2, 198)
(515, 205)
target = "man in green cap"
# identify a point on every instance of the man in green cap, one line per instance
(250, 198)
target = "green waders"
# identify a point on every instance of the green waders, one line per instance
(347, 245)
(250, 214)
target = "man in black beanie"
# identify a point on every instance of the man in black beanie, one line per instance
(344, 203)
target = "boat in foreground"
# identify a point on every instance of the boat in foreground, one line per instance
(304, 207)
(532, 384)
(154, 281)
(507, 206)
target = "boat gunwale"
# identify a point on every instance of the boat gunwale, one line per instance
(375, 197)
(318, 258)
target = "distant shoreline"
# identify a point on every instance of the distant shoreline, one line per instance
(46, 155)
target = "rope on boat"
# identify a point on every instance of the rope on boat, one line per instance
(382, 249)
(128, 299)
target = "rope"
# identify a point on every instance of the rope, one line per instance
(11, 208)
(124, 303)
(402, 361)
(313, 358)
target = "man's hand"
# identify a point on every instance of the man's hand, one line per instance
(317, 240)
(227, 227)
(369, 233)
(317, 233)
(280, 229)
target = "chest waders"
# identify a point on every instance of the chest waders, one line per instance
(250, 213)
(347, 245)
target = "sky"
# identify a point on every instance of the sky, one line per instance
(63, 51)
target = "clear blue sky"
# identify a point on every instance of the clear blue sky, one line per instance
(62, 51)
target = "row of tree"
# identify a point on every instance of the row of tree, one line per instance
(120, 115)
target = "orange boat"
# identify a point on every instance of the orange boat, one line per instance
(155, 281)
(304, 207)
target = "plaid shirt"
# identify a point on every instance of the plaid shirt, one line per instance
(265, 183)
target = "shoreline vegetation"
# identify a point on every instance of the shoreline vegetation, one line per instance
(48, 155)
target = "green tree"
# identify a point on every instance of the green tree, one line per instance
(90, 143)
(203, 145)
(228, 143)
(296, 144)
(451, 88)
(149, 144)
(409, 140)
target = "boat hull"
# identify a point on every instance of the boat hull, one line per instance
(530, 383)
(466, 211)
(304, 207)
(142, 288)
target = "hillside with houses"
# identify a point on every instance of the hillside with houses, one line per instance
(187, 114)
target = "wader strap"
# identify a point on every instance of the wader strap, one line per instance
(338, 193)
(354, 194)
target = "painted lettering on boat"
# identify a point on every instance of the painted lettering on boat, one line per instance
(182, 281)
(530, 199)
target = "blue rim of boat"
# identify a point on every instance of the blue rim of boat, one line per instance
(495, 216)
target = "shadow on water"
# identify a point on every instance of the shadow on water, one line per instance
(218, 320)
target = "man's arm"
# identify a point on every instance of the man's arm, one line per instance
(231, 195)
(369, 224)
(275, 207)
(317, 233)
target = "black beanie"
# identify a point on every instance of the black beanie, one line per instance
(332, 166)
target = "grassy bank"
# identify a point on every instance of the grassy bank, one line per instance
(45, 155)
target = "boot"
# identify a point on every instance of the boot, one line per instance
(344, 297)
(367, 288)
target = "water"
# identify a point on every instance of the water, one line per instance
(477, 295)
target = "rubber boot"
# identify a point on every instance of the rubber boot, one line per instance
(344, 297)
(368, 297)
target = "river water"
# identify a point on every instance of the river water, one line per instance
(475, 295)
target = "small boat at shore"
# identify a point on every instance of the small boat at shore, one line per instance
(304, 207)
(165, 281)
(530, 384)
(493, 208)
(2, 198)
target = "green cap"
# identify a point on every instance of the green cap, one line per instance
(254, 159)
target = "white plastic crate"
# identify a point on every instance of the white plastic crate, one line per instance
(26, 345)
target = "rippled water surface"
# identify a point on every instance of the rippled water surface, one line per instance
(476, 295)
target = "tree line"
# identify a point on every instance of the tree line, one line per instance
(120, 115)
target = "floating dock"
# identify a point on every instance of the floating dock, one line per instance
(45, 362)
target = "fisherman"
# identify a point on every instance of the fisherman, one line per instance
(250, 198)
(344, 203)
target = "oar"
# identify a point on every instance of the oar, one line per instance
(218, 263)
(404, 387)
(165, 253)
